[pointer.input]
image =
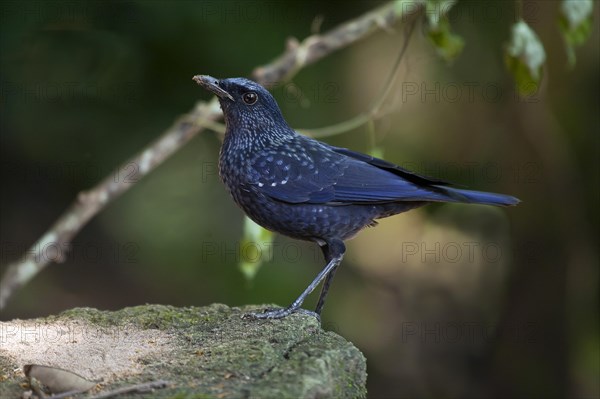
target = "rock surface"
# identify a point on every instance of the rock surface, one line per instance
(201, 352)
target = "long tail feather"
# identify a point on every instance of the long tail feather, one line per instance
(480, 197)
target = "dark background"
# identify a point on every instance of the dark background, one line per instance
(445, 301)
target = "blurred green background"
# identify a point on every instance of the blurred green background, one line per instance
(445, 301)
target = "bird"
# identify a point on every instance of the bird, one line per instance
(306, 189)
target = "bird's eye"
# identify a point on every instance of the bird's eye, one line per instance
(250, 97)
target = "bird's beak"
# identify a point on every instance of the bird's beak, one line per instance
(212, 84)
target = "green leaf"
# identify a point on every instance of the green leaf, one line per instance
(255, 248)
(447, 44)
(525, 57)
(436, 9)
(575, 23)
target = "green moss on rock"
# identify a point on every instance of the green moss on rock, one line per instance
(212, 352)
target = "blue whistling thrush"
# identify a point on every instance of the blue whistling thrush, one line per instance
(309, 190)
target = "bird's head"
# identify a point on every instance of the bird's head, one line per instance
(248, 107)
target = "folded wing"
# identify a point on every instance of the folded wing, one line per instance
(324, 174)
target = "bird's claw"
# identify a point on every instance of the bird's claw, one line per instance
(279, 314)
(269, 314)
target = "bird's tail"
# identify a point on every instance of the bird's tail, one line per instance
(479, 197)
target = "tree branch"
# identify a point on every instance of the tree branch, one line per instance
(204, 114)
(315, 47)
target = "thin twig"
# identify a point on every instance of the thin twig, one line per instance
(65, 395)
(138, 388)
(89, 203)
(374, 110)
(315, 47)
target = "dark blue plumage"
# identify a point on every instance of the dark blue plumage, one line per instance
(306, 189)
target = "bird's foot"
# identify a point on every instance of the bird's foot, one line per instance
(279, 314)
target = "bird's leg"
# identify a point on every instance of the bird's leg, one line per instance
(332, 264)
(295, 306)
(324, 291)
(328, 254)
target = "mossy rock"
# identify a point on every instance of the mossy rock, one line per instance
(207, 352)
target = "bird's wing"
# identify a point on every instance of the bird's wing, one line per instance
(390, 167)
(319, 174)
(296, 174)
